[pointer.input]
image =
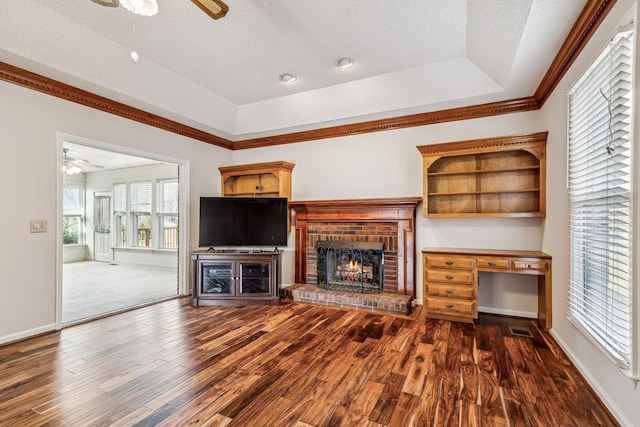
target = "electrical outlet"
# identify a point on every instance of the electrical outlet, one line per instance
(38, 226)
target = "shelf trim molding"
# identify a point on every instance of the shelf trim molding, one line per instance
(483, 144)
(254, 168)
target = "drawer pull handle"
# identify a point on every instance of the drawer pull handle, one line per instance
(492, 264)
(529, 265)
(449, 277)
(449, 291)
(449, 262)
(449, 306)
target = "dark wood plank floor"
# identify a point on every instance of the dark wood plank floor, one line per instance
(291, 365)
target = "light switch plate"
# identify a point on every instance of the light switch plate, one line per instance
(38, 226)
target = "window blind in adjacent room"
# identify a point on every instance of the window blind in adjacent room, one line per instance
(141, 196)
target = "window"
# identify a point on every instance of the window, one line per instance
(120, 213)
(167, 212)
(152, 215)
(600, 222)
(72, 214)
(141, 213)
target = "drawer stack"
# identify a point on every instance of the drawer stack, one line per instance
(450, 287)
(450, 279)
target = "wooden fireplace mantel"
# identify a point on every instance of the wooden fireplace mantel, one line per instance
(401, 211)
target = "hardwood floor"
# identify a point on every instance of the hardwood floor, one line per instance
(291, 365)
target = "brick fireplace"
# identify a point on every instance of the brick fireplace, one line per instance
(387, 221)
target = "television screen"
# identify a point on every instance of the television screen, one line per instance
(243, 221)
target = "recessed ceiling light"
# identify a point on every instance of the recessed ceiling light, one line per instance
(288, 78)
(344, 63)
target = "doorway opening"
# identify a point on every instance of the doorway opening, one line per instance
(122, 243)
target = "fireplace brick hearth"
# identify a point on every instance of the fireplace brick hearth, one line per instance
(386, 302)
(389, 221)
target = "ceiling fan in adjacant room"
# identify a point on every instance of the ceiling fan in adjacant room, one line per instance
(72, 166)
(214, 8)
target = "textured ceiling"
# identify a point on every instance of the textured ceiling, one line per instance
(221, 76)
(108, 160)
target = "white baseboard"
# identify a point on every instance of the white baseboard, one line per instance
(595, 385)
(491, 310)
(28, 333)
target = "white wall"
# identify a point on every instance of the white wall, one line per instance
(619, 393)
(29, 122)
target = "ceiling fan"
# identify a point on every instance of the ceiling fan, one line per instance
(72, 166)
(214, 8)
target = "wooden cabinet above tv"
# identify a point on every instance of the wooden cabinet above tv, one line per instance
(271, 179)
(489, 177)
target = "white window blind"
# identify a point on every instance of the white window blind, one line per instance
(120, 213)
(72, 200)
(168, 213)
(73, 214)
(120, 197)
(599, 179)
(168, 196)
(141, 196)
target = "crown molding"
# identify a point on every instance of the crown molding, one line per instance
(61, 90)
(587, 23)
(421, 119)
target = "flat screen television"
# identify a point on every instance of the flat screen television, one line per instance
(243, 221)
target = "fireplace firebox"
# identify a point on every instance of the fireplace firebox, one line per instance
(348, 266)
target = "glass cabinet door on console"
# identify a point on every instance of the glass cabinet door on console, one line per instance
(254, 278)
(229, 277)
(217, 278)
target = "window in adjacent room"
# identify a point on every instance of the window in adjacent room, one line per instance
(601, 210)
(167, 212)
(141, 213)
(72, 214)
(120, 213)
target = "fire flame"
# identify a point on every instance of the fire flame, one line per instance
(353, 263)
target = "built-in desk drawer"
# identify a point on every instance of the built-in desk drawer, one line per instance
(454, 308)
(445, 261)
(532, 265)
(451, 290)
(453, 276)
(493, 263)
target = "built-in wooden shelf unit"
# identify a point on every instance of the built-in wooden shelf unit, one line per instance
(489, 177)
(271, 179)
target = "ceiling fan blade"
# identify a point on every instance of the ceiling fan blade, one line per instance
(70, 161)
(108, 3)
(214, 8)
(86, 164)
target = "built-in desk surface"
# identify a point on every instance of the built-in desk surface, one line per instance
(451, 279)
